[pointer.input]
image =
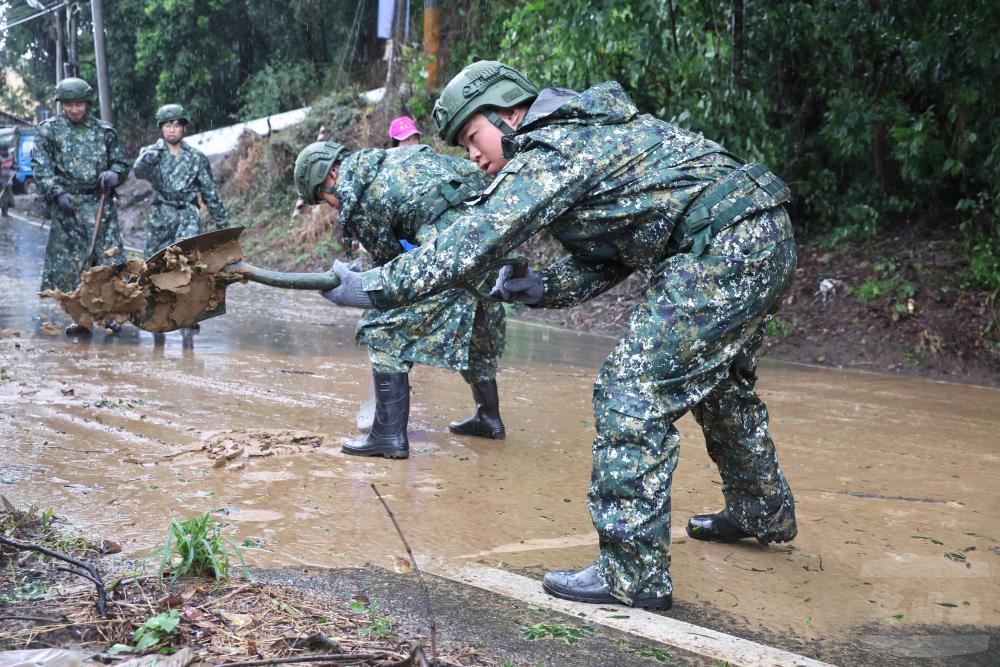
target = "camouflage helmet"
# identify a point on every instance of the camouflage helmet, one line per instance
(313, 164)
(72, 89)
(4, 143)
(481, 87)
(169, 112)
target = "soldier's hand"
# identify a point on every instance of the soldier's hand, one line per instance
(65, 202)
(528, 289)
(349, 292)
(109, 179)
(151, 158)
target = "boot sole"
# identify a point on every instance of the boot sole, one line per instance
(387, 453)
(654, 604)
(476, 434)
(763, 541)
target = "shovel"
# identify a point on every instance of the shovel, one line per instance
(227, 241)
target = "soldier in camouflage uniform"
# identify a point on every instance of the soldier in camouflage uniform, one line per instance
(77, 158)
(178, 173)
(626, 192)
(389, 199)
(8, 166)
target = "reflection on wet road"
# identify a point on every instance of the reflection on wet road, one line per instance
(895, 477)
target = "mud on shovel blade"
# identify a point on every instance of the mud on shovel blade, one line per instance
(221, 255)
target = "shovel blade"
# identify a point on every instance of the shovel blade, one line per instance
(203, 243)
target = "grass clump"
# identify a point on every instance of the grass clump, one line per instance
(197, 547)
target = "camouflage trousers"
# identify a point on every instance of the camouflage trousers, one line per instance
(169, 224)
(485, 346)
(690, 345)
(69, 240)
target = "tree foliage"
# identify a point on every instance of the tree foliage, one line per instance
(868, 108)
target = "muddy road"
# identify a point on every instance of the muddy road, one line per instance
(897, 479)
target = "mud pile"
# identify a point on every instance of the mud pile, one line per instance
(104, 294)
(171, 291)
(183, 286)
(232, 449)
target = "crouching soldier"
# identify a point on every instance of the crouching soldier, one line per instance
(625, 192)
(385, 198)
(77, 163)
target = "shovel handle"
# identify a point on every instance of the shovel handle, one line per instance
(309, 281)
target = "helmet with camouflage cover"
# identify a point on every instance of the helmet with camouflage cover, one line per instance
(483, 86)
(169, 112)
(4, 143)
(313, 164)
(72, 89)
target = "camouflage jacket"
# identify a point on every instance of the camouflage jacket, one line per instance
(412, 193)
(400, 194)
(179, 179)
(69, 157)
(609, 183)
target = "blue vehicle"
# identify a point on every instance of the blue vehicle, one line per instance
(22, 141)
(24, 182)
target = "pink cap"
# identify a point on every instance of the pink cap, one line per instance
(402, 127)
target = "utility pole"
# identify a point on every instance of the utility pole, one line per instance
(103, 89)
(432, 41)
(71, 67)
(57, 24)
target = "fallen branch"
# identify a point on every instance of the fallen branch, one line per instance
(89, 571)
(343, 658)
(36, 619)
(420, 578)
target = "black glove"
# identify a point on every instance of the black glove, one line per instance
(109, 179)
(65, 202)
(151, 157)
(528, 290)
(349, 292)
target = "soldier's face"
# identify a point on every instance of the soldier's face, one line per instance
(173, 131)
(75, 111)
(330, 198)
(481, 139)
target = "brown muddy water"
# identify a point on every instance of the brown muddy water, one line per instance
(897, 479)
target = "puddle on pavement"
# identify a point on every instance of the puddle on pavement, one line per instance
(895, 477)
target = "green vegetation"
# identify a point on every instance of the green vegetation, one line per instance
(152, 634)
(568, 633)
(379, 624)
(196, 547)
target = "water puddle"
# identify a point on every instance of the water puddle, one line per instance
(895, 477)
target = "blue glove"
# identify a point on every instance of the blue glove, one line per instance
(65, 202)
(109, 179)
(528, 290)
(151, 157)
(349, 292)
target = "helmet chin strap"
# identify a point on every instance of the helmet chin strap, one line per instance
(495, 118)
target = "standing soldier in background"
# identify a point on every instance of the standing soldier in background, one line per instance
(178, 173)
(77, 163)
(383, 198)
(7, 169)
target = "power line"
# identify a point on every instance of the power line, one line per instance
(48, 10)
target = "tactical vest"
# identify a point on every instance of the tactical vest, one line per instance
(741, 194)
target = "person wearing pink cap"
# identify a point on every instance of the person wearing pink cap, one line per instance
(403, 132)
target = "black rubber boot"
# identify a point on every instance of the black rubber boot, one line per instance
(585, 586)
(485, 422)
(719, 527)
(77, 330)
(392, 411)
